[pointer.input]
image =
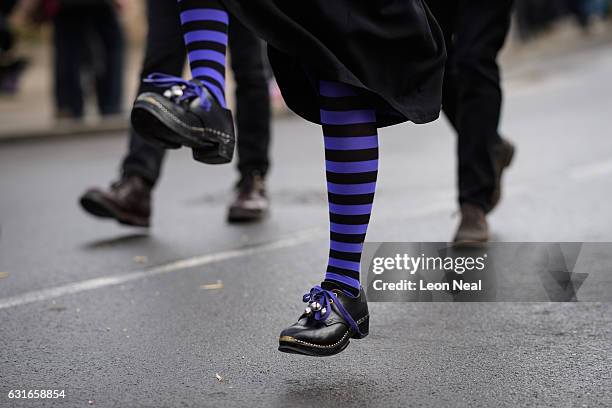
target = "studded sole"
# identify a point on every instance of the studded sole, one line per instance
(295, 346)
(155, 123)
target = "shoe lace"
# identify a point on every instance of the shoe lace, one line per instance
(189, 89)
(319, 306)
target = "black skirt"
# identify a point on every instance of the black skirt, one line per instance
(391, 49)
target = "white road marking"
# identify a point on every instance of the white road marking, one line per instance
(176, 266)
(592, 170)
(118, 279)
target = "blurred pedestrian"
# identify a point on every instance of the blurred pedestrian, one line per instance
(129, 200)
(87, 32)
(7, 38)
(351, 66)
(535, 16)
(11, 64)
(587, 10)
(475, 31)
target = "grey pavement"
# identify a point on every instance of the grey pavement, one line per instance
(120, 317)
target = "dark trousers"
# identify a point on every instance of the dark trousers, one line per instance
(165, 53)
(6, 35)
(88, 34)
(475, 31)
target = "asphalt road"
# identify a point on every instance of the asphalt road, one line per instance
(120, 317)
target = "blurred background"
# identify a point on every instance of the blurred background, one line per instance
(52, 82)
(71, 68)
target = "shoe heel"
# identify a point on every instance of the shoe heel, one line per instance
(221, 148)
(364, 328)
(215, 154)
(218, 152)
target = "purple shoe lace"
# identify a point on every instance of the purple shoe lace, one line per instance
(188, 89)
(319, 306)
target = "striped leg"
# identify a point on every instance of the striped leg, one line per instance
(205, 26)
(351, 162)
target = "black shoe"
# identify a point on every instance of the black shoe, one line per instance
(325, 328)
(127, 201)
(185, 115)
(251, 202)
(504, 155)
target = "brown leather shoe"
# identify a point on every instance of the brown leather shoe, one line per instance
(473, 226)
(251, 202)
(127, 201)
(505, 154)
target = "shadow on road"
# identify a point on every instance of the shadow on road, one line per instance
(116, 241)
(313, 391)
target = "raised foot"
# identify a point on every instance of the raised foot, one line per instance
(325, 328)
